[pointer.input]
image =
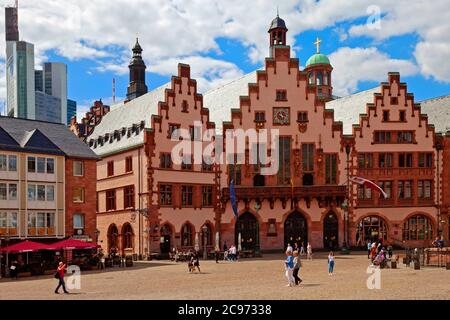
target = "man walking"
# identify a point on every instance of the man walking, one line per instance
(59, 274)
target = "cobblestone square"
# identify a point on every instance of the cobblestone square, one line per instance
(258, 279)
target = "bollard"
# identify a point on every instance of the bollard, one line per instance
(416, 265)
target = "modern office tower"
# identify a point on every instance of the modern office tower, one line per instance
(71, 109)
(55, 84)
(20, 79)
(39, 80)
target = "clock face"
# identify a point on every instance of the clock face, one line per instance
(281, 116)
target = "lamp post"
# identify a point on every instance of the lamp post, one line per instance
(205, 254)
(6, 238)
(346, 204)
(96, 233)
(439, 147)
(144, 213)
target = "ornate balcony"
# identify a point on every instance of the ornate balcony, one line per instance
(247, 193)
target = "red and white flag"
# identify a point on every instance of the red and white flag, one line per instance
(368, 184)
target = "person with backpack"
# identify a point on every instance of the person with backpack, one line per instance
(59, 274)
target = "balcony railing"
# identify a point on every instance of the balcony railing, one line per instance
(394, 172)
(250, 192)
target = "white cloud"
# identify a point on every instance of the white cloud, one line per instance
(88, 29)
(353, 65)
(208, 72)
(429, 20)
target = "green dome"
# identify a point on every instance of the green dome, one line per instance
(318, 58)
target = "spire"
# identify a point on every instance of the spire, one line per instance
(137, 86)
(317, 43)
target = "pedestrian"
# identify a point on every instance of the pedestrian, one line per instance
(369, 247)
(309, 251)
(373, 251)
(197, 262)
(59, 274)
(390, 251)
(217, 254)
(289, 267)
(14, 271)
(330, 263)
(302, 249)
(102, 263)
(289, 247)
(297, 265)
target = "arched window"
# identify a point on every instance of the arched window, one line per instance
(311, 78)
(372, 228)
(325, 78)
(418, 227)
(208, 236)
(319, 80)
(127, 236)
(113, 234)
(187, 233)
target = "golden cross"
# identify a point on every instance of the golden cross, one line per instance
(317, 43)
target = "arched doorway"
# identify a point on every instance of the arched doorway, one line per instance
(295, 229)
(247, 225)
(127, 238)
(330, 231)
(371, 228)
(166, 238)
(113, 239)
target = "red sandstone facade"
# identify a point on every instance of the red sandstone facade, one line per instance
(153, 205)
(86, 207)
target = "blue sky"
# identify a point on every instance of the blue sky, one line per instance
(222, 42)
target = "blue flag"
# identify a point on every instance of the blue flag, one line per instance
(233, 199)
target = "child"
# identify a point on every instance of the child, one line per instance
(330, 263)
(309, 251)
(289, 263)
(297, 265)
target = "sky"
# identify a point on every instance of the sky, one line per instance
(224, 39)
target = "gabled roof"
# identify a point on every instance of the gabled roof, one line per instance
(35, 140)
(125, 116)
(44, 137)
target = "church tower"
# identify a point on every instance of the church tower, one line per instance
(137, 86)
(319, 71)
(277, 33)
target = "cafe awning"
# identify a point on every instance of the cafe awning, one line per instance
(72, 244)
(25, 246)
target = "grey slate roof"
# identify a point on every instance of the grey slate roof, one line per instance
(438, 111)
(121, 118)
(348, 109)
(221, 100)
(45, 137)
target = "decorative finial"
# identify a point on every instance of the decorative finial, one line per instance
(317, 43)
(278, 15)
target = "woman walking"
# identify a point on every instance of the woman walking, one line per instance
(289, 264)
(59, 274)
(309, 251)
(330, 263)
(297, 265)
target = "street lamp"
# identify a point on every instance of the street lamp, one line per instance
(205, 229)
(96, 233)
(6, 238)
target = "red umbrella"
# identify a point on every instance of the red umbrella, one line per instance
(73, 244)
(25, 246)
